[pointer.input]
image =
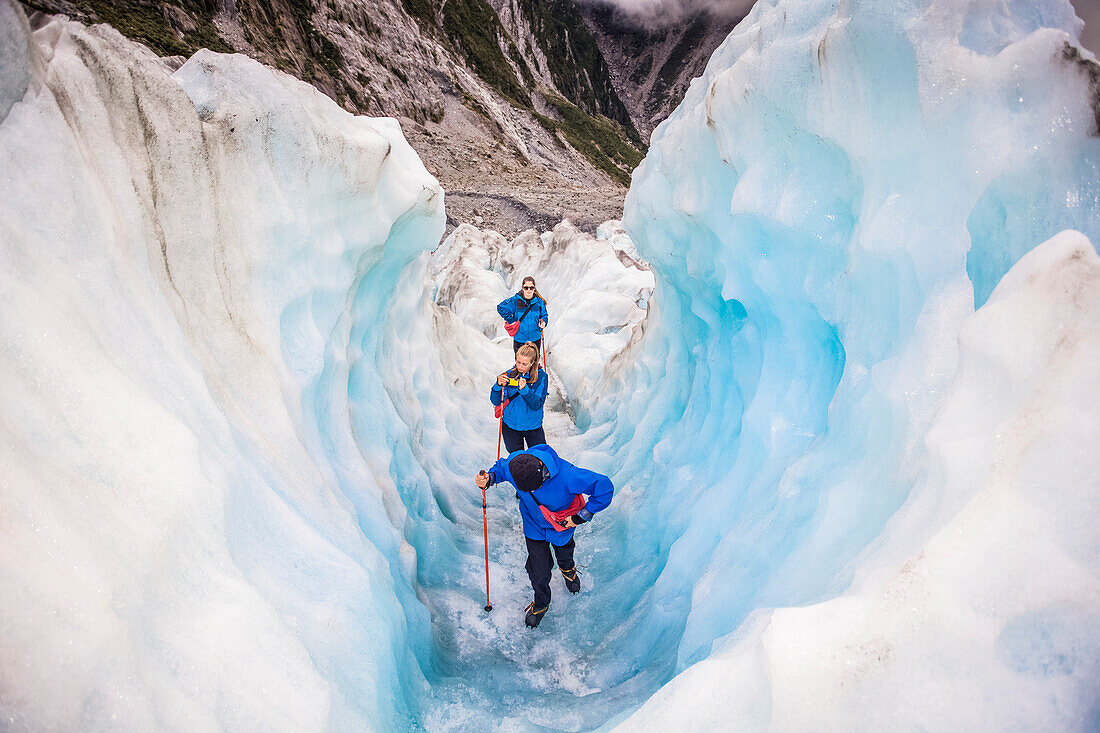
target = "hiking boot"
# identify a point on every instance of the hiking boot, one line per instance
(572, 579)
(534, 615)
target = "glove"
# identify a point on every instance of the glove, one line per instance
(578, 519)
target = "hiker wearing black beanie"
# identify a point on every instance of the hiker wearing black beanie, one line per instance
(554, 497)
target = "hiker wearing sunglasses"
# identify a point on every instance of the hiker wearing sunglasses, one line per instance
(519, 395)
(554, 497)
(525, 315)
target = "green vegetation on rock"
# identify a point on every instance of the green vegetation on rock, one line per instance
(423, 12)
(475, 30)
(691, 39)
(603, 143)
(321, 47)
(576, 65)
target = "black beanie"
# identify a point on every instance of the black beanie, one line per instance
(526, 472)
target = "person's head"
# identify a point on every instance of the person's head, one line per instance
(528, 289)
(527, 361)
(528, 472)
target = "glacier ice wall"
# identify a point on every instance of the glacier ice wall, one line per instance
(978, 607)
(190, 537)
(823, 212)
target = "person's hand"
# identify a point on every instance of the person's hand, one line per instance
(502, 380)
(522, 382)
(481, 480)
(542, 323)
(574, 521)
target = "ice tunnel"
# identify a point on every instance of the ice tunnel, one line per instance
(837, 359)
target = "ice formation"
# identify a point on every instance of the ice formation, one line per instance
(830, 202)
(243, 399)
(193, 268)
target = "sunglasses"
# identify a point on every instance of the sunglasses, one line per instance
(528, 287)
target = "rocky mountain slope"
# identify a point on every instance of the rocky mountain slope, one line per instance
(652, 60)
(527, 111)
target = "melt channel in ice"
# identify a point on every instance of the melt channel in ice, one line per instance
(243, 404)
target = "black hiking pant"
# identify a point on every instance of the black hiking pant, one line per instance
(514, 439)
(540, 566)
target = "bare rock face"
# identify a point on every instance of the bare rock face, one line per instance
(653, 59)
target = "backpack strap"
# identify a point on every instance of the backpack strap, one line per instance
(526, 311)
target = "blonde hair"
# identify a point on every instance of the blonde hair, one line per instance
(537, 293)
(531, 352)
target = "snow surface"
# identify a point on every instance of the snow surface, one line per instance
(244, 400)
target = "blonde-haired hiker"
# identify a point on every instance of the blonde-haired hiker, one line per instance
(525, 315)
(522, 392)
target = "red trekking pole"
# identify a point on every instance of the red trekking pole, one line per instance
(542, 338)
(485, 524)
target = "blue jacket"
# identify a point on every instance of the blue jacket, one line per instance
(512, 308)
(556, 493)
(524, 411)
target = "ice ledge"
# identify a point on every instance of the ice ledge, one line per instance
(1066, 260)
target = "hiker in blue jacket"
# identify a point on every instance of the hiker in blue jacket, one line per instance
(522, 391)
(547, 484)
(528, 308)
